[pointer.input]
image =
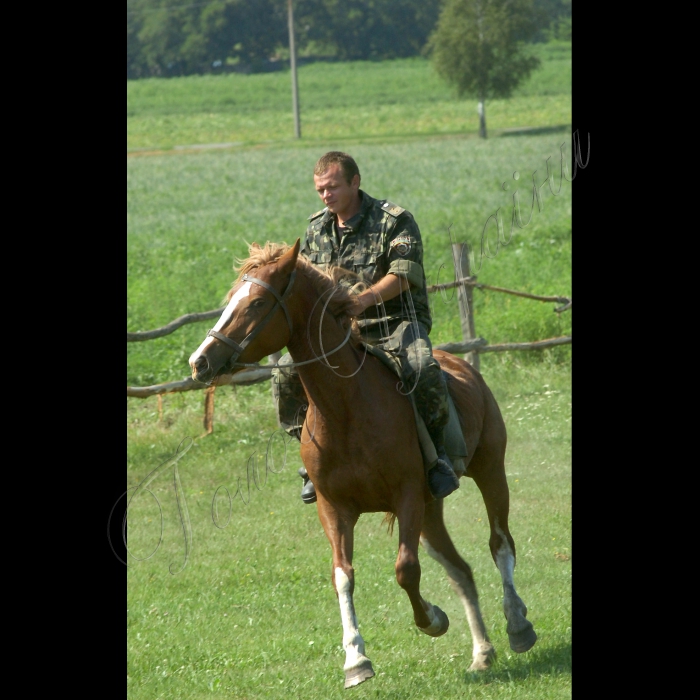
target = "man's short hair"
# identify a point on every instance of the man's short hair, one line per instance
(347, 164)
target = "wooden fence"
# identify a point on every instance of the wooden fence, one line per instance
(470, 346)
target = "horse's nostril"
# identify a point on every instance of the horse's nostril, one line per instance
(200, 363)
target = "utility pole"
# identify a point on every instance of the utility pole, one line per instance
(293, 64)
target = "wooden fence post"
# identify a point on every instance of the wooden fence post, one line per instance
(209, 399)
(209, 409)
(273, 360)
(460, 255)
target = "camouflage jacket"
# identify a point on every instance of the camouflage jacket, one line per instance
(381, 238)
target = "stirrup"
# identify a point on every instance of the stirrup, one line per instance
(308, 491)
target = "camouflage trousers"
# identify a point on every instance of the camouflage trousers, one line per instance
(410, 344)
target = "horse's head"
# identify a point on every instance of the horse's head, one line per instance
(256, 321)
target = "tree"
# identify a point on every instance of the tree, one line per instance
(172, 37)
(367, 29)
(553, 20)
(166, 37)
(479, 47)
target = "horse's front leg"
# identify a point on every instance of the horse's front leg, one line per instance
(428, 618)
(339, 528)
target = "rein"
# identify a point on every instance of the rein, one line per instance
(239, 348)
(295, 364)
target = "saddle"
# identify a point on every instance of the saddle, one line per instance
(453, 439)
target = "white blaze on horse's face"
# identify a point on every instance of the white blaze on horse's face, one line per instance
(243, 292)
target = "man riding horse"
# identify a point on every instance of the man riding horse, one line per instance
(381, 243)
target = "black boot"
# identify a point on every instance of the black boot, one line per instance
(308, 491)
(442, 479)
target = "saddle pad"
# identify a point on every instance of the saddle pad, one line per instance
(453, 438)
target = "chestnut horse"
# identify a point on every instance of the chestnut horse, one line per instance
(359, 442)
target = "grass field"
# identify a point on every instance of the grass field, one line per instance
(358, 100)
(253, 614)
(190, 216)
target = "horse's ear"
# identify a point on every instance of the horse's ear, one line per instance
(289, 260)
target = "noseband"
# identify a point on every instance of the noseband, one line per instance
(238, 349)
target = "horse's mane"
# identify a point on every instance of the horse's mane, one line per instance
(339, 302)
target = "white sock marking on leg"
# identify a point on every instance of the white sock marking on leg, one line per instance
(353, 643)
(513, 606)
(462, 586)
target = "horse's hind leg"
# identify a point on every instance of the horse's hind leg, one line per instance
(494, 490)
(428, 618)
(439, 546)
(339, 529)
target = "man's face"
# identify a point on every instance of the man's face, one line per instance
(334, 190)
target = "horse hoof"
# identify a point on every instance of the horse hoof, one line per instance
(523, 641)
(483, 660)
(439, 625)
(359, 674)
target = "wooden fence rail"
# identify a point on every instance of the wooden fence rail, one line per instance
(243, 378)
(254, 375)
(171, 327)
(470, 346)
(471, 282)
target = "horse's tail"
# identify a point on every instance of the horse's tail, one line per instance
(389, 519)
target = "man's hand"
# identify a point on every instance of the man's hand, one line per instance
(358, 308)
(387, 288)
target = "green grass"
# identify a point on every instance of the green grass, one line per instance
(253, 613)
(337, 100)
(188, 217)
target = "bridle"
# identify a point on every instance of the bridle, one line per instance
(238, 349)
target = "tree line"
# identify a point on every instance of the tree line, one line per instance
(186, 37)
